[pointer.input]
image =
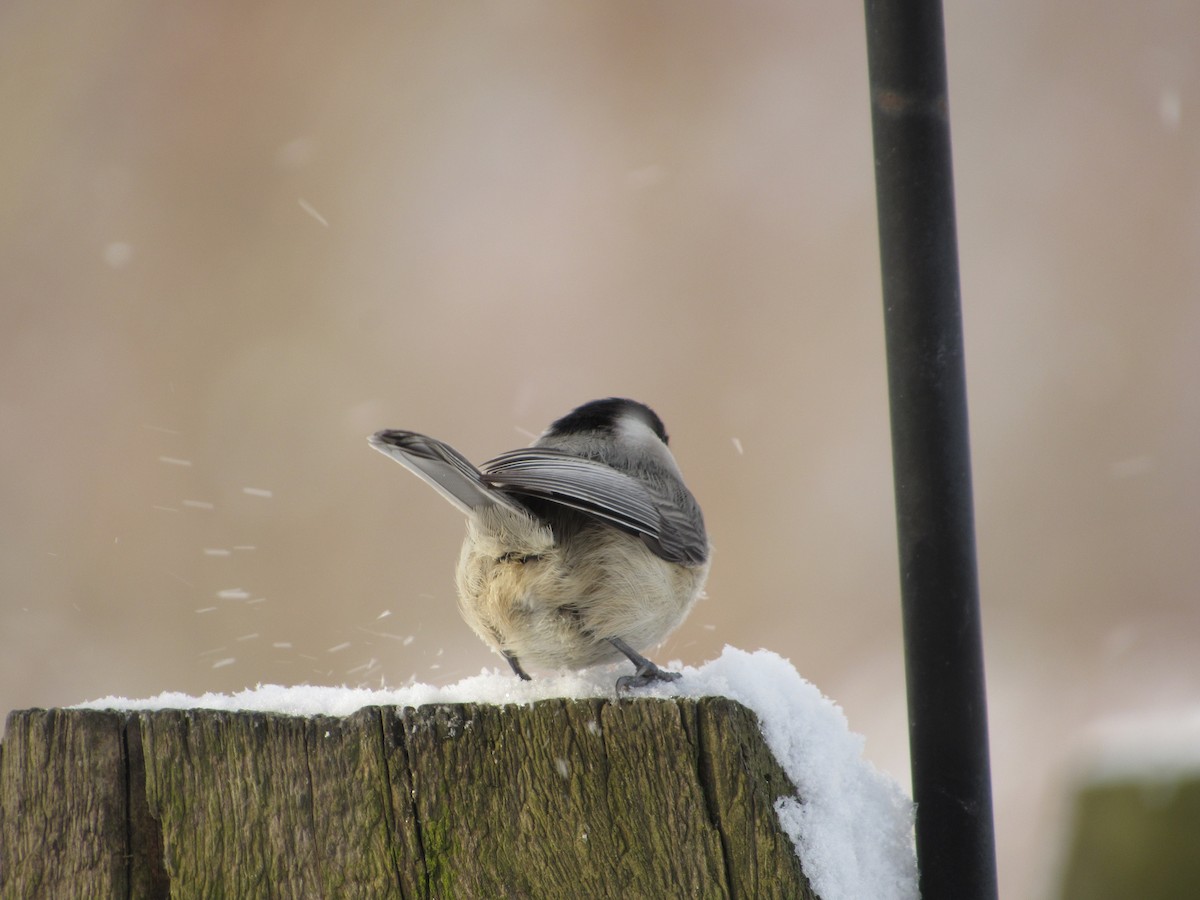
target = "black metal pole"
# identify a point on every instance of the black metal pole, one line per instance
(930, 451)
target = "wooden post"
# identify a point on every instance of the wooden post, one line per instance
(1135, 835)
(560, 798)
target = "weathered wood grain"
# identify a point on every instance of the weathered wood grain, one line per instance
(63, 810)
(561, 798)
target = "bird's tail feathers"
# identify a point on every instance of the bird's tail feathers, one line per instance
(442, 467)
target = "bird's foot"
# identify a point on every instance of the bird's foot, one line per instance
(647, 672)
(516, 665)
(645, 678)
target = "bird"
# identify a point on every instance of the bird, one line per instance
(583, 549)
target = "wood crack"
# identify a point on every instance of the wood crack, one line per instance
(389, 794)
(706, 777)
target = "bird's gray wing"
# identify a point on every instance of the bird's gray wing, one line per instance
(670, 524)
(441, 466)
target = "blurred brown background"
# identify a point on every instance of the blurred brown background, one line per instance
(237, 238)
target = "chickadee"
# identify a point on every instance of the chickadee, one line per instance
(583, 549)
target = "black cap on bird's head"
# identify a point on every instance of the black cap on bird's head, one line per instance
(604, 415)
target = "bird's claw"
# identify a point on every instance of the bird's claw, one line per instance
(645, 676)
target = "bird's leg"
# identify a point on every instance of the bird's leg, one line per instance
(516, 665)
(647, 671)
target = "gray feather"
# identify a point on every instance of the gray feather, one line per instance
(440, 466)
(671, 525)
